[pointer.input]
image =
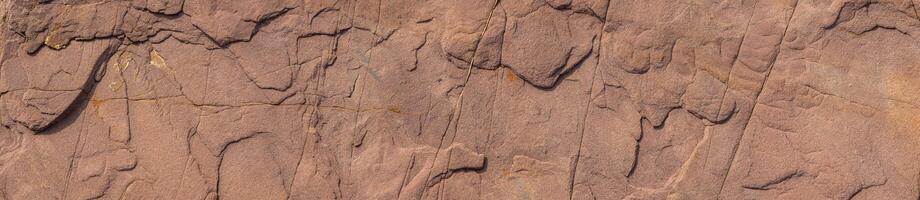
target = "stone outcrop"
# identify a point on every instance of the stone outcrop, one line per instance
(459, 99)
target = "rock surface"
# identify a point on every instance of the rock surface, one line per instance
(459, 99)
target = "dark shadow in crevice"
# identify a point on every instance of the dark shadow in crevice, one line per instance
(71, 113)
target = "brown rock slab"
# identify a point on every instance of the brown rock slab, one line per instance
(459, 99)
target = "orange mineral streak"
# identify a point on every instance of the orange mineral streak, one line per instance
(510, 75)
(394, 109)
(97, 102)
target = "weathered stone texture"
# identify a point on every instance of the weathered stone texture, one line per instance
(459, 99)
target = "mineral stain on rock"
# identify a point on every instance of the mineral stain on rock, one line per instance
(156, 60)
(54, 42)
(459, 99)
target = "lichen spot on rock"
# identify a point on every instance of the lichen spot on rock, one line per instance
(54, 43)
(114, 86)
(122, 61)
(156, 60)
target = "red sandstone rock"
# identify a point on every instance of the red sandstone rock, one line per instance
(454, 99)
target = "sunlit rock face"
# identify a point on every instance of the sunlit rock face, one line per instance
(459, 99)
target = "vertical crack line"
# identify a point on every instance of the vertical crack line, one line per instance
(492, 122)
(582, 123)
(469, 72)
(914, 6)
(405, 178)
(459, 106)
(635, 164)
(918, 187)
(377, 26)
(354, 11)
(75, 157)
(681, 172)
(188, 161)
(735, 60)
(367, 71)
(318, 78)
(368, 54)
(763, 83)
